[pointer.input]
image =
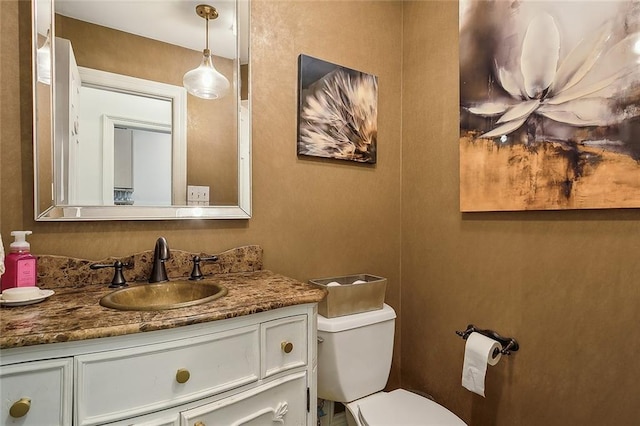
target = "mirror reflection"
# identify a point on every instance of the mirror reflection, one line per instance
(130, 142)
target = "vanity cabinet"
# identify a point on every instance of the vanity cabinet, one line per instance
(254, 369)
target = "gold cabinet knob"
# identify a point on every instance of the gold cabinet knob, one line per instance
(182, 375)
(199, 424)
(287, 347)
(20, 408)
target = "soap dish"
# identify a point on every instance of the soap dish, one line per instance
(39, 297)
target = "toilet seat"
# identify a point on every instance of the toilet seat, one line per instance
(401, 407)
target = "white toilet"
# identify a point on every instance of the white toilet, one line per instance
(354, 360)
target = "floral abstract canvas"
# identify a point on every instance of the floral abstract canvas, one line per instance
(549, 104)
(337, 111)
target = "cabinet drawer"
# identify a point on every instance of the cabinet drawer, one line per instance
(284, 344)
(129, 382)
(44, 387)
(158, 420)
(282, 401)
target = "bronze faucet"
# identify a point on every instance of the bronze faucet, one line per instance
(160, 255)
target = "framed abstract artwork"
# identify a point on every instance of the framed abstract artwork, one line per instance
(549, 105)
(337, 111)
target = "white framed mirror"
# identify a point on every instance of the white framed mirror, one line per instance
(116, 135)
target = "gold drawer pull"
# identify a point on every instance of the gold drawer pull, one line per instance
(20, 408)
(199, 424)
(287, 347)
(183, 375)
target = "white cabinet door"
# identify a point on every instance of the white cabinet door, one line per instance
(280, 402)
(36, 393)
(284, 344)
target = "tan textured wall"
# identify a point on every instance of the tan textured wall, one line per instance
(313, 218)
(565, 284)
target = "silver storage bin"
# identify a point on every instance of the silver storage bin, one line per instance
(348, 298)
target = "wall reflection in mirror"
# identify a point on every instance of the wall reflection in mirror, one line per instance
(128, 141)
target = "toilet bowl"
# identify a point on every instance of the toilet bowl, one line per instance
(354, 361)
(399, 408)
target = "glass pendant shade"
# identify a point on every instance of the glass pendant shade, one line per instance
(205, 81)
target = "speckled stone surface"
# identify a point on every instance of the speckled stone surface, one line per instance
(74, 312)
(58, 271)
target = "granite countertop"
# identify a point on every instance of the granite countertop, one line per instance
(74, 313)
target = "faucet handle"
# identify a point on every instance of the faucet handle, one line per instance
(118, 278)
(196, 274)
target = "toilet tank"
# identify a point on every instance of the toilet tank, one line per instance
(354, 354)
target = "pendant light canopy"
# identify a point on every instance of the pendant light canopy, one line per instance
(205, 81)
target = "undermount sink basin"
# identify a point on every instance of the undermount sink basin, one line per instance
(165, 295)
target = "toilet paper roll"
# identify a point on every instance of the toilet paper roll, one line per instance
(478, 352)
(359, 282)
(333, 284)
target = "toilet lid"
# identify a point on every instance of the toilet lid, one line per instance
(401, 407)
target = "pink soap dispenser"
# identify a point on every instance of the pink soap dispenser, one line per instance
(20, 264)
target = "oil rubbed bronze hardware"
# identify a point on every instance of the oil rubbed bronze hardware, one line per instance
(20, 408)
(196, 274)
(509, 344)
(161, 254)
(118, 280)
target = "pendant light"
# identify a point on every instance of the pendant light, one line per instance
(205, 81)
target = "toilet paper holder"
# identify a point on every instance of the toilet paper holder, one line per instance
(509, 344)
